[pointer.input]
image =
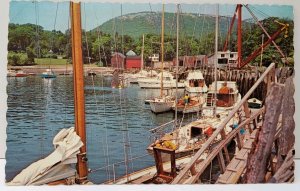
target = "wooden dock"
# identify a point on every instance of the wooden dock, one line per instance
(254, 161)
(237, 165)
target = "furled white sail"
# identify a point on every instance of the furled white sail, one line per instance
(56, 166)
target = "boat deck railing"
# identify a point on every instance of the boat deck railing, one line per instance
(115, 171)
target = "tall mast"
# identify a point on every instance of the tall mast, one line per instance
(162, 48)
(177, 45)
(216, 57)
(239, 36)
(122, 27)
(142, 56)
(78, 89)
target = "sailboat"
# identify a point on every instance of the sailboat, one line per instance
(48, 74)
(165, 170)
(189, 138)
(164, 79)
(164, 102)
(69, 144)
(142, 74)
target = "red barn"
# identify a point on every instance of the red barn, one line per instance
(117, 60)
(132, 60)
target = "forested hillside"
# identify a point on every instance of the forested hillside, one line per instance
(28, 41)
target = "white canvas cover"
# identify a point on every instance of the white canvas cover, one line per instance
(55, 166)
(196, 74)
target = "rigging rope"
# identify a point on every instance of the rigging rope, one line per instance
(253, 8)
(68, 35)
(154, 19)
(86, 40)
(36, 10)
(202, 28)
(105, 147)
(195, 23)
(98, 38)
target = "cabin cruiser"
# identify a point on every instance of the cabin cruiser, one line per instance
(155, 83)
(227, 96)
(195, 83)
(133, 78)
(190, 138)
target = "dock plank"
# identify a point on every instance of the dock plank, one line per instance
(237, 165)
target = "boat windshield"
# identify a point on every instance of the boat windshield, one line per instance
(196, 83)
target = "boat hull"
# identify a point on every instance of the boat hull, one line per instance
(178, 155)
(157, 85)
(21, 75)
(188, 109)
(160, 107)
(195, 91)
(48, 76)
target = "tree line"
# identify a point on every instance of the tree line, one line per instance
(35, 42)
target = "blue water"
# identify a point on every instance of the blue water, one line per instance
(39, 108)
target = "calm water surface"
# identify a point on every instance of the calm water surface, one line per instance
(117, 123)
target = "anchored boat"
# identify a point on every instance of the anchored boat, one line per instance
(48, 74)
(194, 105)
(195, 83)
(69, 144)
(155, 83)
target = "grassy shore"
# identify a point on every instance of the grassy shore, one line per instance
(50, 61)
(56, 63)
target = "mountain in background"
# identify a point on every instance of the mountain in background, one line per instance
(191, 24)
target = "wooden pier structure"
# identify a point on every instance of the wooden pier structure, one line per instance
(263, 135)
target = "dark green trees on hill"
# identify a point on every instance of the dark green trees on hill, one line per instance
(29, 41)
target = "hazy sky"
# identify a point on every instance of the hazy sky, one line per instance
(93, 14)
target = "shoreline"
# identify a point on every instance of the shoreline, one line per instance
(59, 69)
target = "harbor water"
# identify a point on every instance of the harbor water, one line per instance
(117, 123)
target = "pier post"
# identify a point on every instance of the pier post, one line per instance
(221, 162)
(256, 167)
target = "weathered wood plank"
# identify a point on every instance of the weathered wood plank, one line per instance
(221, 162)
(287, 137)
(286, 171)
(256, 168)
(236, 167)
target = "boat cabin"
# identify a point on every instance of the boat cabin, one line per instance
(166, 76)
(227, 94)
(195, 79)
(196, 83)
(199, 132)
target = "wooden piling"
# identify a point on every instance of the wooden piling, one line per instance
(257, 166)
(287, 138)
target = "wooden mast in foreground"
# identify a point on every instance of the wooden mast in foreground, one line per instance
(79, 102)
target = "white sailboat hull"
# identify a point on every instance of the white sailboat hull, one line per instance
(160, 107)
(156, 84)
(161, 104)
